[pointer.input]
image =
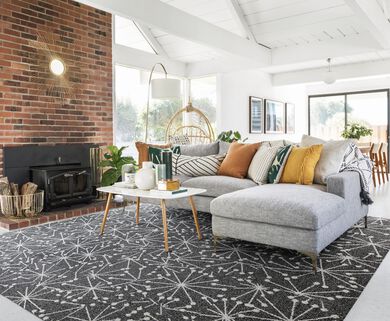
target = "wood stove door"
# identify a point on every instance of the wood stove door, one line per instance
(81, 183)
(70, 185)
(60, 186)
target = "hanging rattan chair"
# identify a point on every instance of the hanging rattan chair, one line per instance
(192, 123)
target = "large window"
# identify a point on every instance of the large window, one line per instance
(131, 88)
(369, 109)
(329, 114)
(204, 97)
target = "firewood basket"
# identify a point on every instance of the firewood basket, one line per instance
(22, 205)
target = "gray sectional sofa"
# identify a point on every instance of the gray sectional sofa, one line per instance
(305, 218)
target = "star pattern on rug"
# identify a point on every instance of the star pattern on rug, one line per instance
(66, 271)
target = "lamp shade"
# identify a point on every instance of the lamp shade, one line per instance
(165, 88)
(329, 78)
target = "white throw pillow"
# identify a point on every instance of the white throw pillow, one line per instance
(196, 165)
(332, 156)
(261, 162)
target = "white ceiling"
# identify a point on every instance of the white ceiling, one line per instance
(285, 23)
(278, 36)
(216, 12)
(183, 50)
(274, 24)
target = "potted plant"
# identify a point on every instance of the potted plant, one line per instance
(356, 131)
(114, 161)
(230, 136)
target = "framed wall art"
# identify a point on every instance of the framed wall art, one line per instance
(290, 118)
(256, 115)
(274, 117)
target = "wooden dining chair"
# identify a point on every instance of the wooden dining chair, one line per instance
(374, 156)
(383, 161)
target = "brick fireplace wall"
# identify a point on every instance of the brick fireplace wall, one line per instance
(32, 110)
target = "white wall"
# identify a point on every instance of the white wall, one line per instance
(234, 89)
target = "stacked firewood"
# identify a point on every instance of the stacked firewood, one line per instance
(20, 204)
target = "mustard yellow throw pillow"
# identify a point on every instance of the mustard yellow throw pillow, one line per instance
(301, 164)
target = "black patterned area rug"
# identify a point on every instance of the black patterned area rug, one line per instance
(66, 271)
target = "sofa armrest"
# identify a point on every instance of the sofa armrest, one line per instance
(345, 185)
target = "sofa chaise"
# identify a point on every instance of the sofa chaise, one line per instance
(305, 218)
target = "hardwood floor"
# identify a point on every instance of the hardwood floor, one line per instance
(381, 197)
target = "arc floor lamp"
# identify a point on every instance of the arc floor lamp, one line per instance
(160, 88)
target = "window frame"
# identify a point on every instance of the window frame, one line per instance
(141, 69)
(217, 99)
(348, 93)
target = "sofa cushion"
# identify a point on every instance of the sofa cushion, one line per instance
(196, 165)
(301, 164)
(332, 156)
(200, 149)
(183, 178)
(238, 159)
(223, 147)
(218, 185)
(261, 163)
(277, 166)
(278, 143)
(301, 206)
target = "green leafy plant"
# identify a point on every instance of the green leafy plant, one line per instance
(356, 131)
(114, 161)
(230, 136)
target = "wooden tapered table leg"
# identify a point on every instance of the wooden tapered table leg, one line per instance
(165, 224)
(137, 210)
(195, 214)
(109, 197)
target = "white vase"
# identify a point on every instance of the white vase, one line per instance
(145, 178)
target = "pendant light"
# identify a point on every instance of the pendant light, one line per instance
(329, 77)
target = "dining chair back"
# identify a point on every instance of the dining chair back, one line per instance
(383, 161)
(374, 156)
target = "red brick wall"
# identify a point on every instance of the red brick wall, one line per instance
(81, 36)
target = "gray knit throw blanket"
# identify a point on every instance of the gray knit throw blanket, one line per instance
(355, 161)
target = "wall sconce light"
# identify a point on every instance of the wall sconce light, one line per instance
(57, 67)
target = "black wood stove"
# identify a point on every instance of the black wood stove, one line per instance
(64, 184)
(62, 171)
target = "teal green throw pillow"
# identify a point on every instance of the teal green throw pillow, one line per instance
(155, 153)
(276, 169)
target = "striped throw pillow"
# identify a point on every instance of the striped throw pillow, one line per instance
(261, 163)
(196, 165)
